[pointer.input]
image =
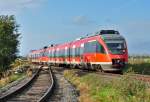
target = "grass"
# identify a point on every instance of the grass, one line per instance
(139, 65)
(94, 88)
(9, 79)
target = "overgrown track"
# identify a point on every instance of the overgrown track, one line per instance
(37, 91)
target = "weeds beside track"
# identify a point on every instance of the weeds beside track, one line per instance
(97, 87)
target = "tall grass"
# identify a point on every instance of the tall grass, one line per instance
(95, 88)
(18, 69)
(139, 65)
(11, 78)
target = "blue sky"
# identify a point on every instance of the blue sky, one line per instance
(45, 22)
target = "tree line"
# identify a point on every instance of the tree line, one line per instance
(9, 41)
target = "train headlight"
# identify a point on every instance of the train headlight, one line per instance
(124, 51)
(118, 61)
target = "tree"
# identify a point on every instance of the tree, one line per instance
(9, 41)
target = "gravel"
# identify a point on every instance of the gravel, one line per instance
(63, 91)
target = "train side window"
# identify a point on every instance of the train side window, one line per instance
(93, 46)
(72, 52)
(102, 49)
(68, 52)
(48, 53)
(63, 52)
(89, 47)
(57, 53)
(77, 51)
(45, 53)
(52, 53)
(99, 48)
(60, 53)
(81, 50)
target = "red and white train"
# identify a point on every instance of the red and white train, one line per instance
(106, 50)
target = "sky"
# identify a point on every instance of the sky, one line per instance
(45, 22)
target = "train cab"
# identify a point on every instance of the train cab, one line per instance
(116, 49)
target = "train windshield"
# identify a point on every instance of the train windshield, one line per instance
(116, 47)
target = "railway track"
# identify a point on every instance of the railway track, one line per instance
(64, 91)
(38, 91)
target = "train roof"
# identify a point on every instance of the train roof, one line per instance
(104, 34)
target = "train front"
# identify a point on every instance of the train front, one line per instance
(117, 51)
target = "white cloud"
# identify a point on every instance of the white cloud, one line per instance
(82, 20)
(15, 6)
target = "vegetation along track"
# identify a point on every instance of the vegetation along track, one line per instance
(108, 75)
(37, 91)
(144, 78)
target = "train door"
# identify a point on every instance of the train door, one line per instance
(54, 56)
(69, 54)
(81, 53)
(66, 55)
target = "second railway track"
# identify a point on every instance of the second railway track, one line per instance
(37, 91)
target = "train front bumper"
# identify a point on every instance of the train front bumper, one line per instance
(114, 66)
